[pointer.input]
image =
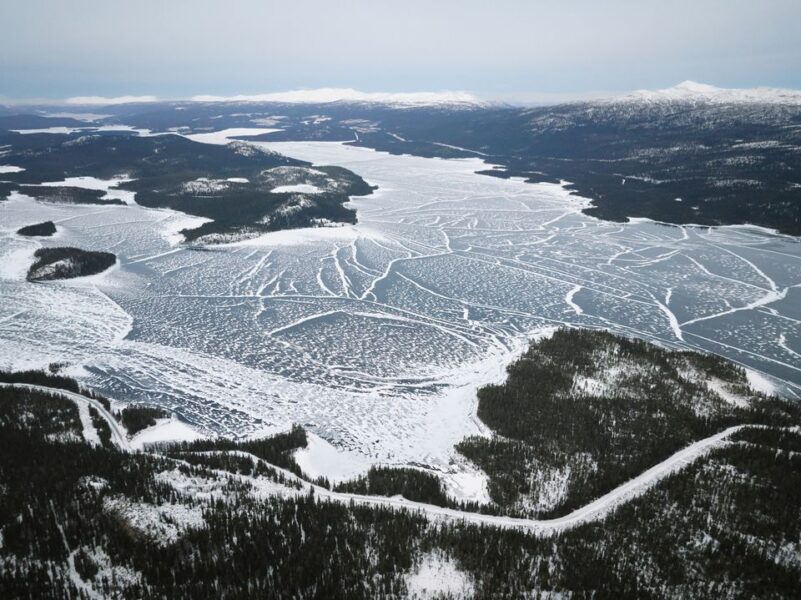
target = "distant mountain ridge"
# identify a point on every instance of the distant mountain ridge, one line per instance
(690, 154)
(691, 91)
(303, 96)
(686, 91)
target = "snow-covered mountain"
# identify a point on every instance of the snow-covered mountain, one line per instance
(690, 91)
(445, 99)
(330, 95)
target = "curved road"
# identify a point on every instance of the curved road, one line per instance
(594, 511)
(118, 434)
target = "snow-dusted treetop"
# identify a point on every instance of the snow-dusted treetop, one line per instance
(690, 91)
(326, 95)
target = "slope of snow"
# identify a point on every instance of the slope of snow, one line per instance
(16, 262)
(165, 430)
(437, 575)
(760, 383)
(690, 91)
(93, 183)
(321, 459)
(164, 523)
(300, 188)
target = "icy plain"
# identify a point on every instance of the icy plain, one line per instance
(375, 336)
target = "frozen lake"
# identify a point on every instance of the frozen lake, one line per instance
(375, 336)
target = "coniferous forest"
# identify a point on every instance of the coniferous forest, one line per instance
(231, 519)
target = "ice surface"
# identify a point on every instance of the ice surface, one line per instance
(375, 336)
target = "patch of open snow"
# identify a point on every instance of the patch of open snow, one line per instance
(204, 185)
(238, 180)
(165, 430)
(93, 183)
(119, 575)
(438, 575)
(80, 116)
(15, 264)
(222, 137)
(321, 459)
(176, 222)
(467, 484)
(89, 431)
(760, 383)
(719, 387)
(301, 188)
(197, 487)
(164, 523)
(11, 169)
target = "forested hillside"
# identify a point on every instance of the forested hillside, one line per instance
(81, 520)
(583, 411)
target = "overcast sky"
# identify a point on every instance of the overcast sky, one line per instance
(498, 49)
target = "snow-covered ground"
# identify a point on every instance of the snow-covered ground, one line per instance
(110, 186)
(375, 336)
(437, 574)
(165, 430)
(299, 188)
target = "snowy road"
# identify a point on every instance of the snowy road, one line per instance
(594, 511)
(118, 435)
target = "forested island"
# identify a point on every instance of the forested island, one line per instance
(67, 263)
(45, 229)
